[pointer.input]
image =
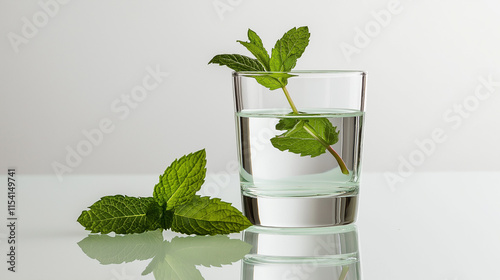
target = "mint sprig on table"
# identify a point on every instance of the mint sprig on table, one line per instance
(174, 206)
(304, 136)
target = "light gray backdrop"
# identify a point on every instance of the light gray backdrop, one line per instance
(124, 87)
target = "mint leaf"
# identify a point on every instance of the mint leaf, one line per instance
(273, 80)
(181, 180)
(284, 57)
(123, 214)
(288, 49)
(238, 62)
(256, 47)
(298, 140)
(121, 248)
(205, 216)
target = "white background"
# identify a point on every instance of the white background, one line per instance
(62, 76)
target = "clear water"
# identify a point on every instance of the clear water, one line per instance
(284, 189)
(269, 172)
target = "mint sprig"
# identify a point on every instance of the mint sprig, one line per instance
(304, 137)
(173, 205)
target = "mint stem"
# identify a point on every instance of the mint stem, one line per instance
(290, 101)
(314, 134)
(343, 274)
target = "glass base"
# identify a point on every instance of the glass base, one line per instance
(312, 211)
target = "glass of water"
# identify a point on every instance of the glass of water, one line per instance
(299, 146)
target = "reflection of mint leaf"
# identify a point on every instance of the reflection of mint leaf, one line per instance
(256, 47)
(205, 216)
(122, 214)
(288, 49)
(208, 250)
(122, 248)
(238, 62)
(171, 268)
(181, 180)
(298, 140)
(176, 259)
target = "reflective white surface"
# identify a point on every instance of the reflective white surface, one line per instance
(441, 226)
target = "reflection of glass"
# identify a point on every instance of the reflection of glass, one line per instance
(175, 259)
(293, 254)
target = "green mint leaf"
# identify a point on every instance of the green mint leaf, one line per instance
(273, 80)
(122, 248)
(205, 216)
(270, 82)
(122, 214)
(288, 49)
(181, 180)
(256, 47)
(298, 140)
(238, 62)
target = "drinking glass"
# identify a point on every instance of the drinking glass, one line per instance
(299, 146)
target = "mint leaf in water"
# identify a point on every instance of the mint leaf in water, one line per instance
(298, 138)
(181, 180)
(123, 214)
(205, 216)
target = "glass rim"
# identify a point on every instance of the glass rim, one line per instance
(301, 73)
